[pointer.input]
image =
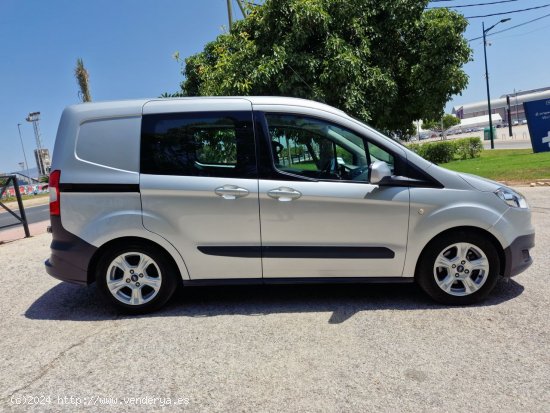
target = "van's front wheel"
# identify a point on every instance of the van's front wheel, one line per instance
(459, 268)
(136, 278)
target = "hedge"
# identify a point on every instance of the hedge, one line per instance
(468, 148)
(446, 151)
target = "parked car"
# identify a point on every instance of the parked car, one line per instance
(149, 194)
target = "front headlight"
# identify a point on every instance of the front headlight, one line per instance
(511, 197)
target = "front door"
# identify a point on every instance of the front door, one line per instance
(199, 187)
(323, 218)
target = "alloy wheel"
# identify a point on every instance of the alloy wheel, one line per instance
(461, 269)
(134, 278)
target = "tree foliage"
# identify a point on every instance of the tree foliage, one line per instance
(387, 63)
(83, 79)
(442, 124)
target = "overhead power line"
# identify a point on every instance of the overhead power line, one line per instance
(511, 27)
(473, 5)
(525, 33)
(508, 12)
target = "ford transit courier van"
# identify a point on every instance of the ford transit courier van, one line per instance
(148, 194)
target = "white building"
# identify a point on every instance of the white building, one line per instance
(498, 106)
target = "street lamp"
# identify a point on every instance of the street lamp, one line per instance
(517, 116)
(485, 31)
(24, 155)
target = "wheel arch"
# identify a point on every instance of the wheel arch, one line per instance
(468, 229)
(122, 241)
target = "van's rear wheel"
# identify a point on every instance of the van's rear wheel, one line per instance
(459, 268)
(136, 278)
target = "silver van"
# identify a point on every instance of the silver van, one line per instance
(149, 194)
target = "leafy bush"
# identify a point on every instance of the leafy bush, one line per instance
(439, 152)
(446, 151)
(415, 147)
(468, 148)
(436, 152)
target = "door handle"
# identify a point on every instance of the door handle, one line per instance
(284, 194)
(231, 192)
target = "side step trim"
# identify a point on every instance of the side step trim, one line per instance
(312, 280)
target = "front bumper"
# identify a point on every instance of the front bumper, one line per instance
(517, 255)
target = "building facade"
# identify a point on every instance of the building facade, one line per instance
(43, 161)
(499, 105)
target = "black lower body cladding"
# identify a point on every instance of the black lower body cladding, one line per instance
(70, 255)
(517, 255)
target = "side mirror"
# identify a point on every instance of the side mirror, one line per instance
(378, 171)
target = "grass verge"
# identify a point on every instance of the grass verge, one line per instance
(25, 197)
(509, 165)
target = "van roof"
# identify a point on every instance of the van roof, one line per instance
(134, 106)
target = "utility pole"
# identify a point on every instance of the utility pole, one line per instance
(230, 11)
(230, 14)
(488, 94)
(24, 154)
(240, 4)
(516, 93)
(508, 115)
(487, 78)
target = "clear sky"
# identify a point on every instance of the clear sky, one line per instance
(517, 59)
(127, 47)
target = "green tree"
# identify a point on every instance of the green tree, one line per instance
(83, 80)
(441, 124)
(387, 63)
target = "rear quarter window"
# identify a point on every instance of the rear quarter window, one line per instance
(110, 142)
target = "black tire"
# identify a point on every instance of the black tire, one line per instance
(427, 276)
(161, 271)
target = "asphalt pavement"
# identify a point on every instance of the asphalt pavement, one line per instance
(509, 144)
(353, 348)
(34, 214)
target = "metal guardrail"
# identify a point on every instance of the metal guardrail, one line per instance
(5, 181)
(24, 178)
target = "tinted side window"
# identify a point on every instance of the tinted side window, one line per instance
(198, 144)
(316, 149)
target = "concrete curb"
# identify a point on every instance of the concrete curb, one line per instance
(17, 233)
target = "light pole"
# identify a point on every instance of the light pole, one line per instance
(230, 11)
(485, 31)
(230, 14)
(517, 116)
(24, 155)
